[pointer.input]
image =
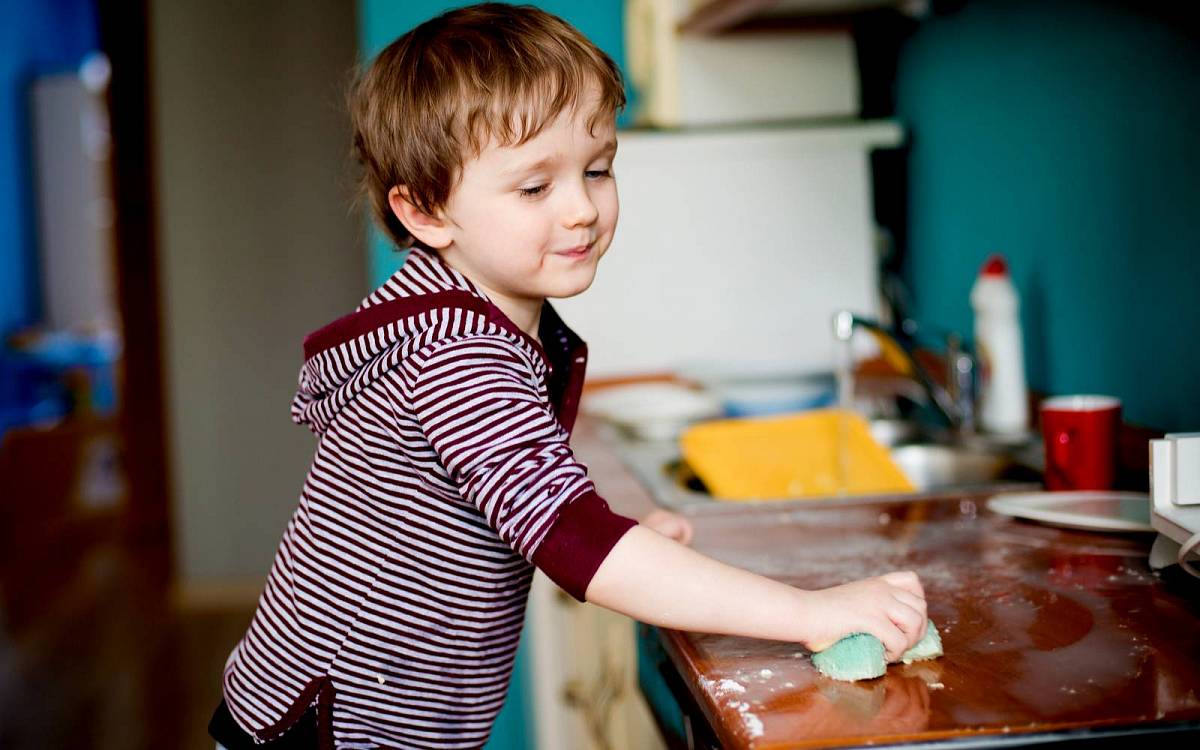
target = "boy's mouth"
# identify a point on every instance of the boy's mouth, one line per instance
(580, 251)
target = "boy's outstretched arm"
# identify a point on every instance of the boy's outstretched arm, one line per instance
(474, 400)
(661, 582)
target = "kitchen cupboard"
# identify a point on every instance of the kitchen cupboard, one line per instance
(686, 80)
(584, 675)
(725, 16)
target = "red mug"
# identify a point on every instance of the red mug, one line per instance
(1081, 433)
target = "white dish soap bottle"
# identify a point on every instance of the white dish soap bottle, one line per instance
(1004, 403)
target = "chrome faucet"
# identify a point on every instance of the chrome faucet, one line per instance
(956, 400)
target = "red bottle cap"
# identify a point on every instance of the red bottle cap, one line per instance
(995, 266)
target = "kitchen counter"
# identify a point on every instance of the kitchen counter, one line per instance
(1049, 633)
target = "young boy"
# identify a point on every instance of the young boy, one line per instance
(443, 408)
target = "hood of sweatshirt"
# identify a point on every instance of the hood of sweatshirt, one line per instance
(344, 357)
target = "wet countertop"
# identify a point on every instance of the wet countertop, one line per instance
(1046, 630)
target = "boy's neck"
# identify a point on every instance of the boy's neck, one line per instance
(526, 313)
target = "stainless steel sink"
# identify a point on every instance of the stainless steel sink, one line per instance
(938, 467)
(933, 468)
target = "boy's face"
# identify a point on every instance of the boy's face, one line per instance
(532, 221)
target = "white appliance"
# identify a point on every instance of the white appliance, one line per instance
(71, 164)
(735, 245)
(1175, 501)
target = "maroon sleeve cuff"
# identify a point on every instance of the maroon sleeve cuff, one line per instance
(578, 542)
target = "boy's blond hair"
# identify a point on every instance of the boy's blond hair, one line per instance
(437, 96)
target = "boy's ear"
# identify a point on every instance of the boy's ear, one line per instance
(433, 231)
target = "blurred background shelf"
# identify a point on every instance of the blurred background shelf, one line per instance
(728, 16)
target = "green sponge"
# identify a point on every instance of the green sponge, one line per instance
(929, 647)
(859, 656)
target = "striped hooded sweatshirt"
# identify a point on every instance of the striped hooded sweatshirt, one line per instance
(442, 476)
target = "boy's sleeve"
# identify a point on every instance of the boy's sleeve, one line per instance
(477, 403)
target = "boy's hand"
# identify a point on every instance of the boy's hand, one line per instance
(671, 525)
(890, 607)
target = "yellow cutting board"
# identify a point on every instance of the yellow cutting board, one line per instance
(809, 454)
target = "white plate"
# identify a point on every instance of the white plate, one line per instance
(656, 411)
(1094, 511)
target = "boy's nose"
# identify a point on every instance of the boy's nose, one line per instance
(582, 210)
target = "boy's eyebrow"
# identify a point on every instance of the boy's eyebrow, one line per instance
(535, 166)
(609, 146)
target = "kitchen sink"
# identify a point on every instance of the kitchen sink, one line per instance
(939, 467)
(934, 468)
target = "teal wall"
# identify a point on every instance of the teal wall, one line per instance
(1065, 135)
(381, 21)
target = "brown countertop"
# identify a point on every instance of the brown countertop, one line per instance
(1045, 629)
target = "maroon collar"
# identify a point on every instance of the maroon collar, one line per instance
(565, 354)
(351, 326)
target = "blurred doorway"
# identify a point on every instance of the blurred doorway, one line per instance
(93, 654)
(81, 408)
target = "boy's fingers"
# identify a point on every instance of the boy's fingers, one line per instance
(895, 642)
(910, 622)
(914, 602)
(907, 580)
(906, 617)
(818, 647)
(670, 525)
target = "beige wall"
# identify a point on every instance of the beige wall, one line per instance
(257, 247)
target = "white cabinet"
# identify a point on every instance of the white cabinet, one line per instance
(689, 79)
(584, 676)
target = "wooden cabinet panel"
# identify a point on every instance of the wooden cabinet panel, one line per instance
(585, 675)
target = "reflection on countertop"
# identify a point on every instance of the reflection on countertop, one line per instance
(1045, 629)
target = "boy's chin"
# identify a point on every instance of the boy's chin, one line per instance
(570, 285)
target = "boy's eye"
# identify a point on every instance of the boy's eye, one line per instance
(595, 174)
(529, 192)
